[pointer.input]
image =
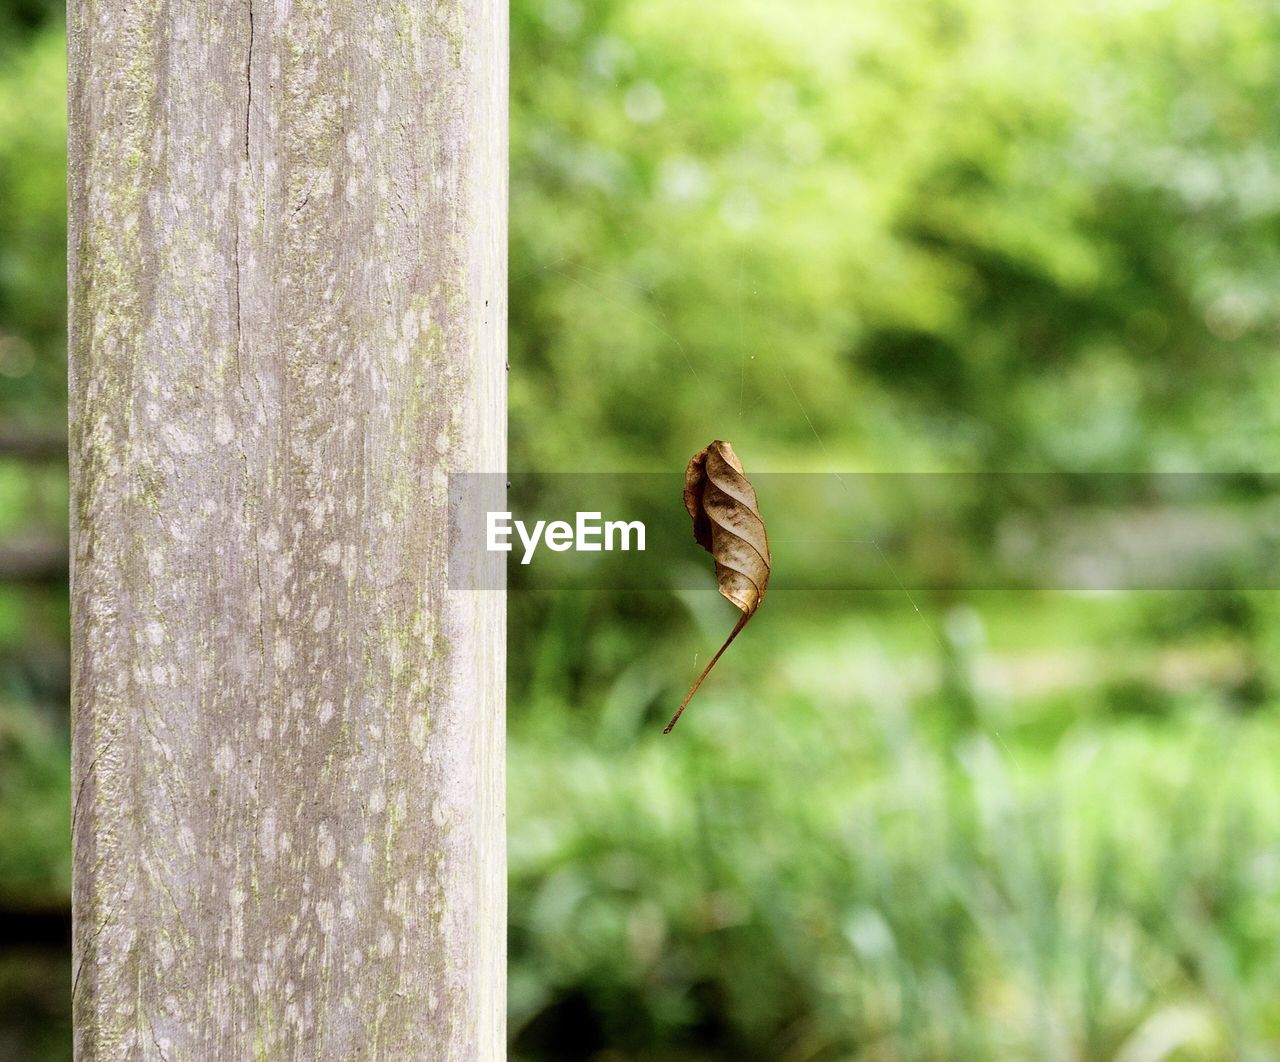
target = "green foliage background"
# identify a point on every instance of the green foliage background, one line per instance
(909, 235)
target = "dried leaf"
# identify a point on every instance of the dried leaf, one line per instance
(728, 525)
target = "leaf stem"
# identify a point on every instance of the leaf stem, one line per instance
(707, 670)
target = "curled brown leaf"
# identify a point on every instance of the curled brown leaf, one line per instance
(727, 524)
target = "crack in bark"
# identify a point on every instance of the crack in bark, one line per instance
(248, 73)
(89, 949)
(75, 811)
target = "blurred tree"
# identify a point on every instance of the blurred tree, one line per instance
(950, 234)
(33, 227)
(19, 19)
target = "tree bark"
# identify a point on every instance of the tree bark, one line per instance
(288, 313)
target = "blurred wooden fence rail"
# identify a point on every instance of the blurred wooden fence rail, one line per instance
(287, 327)
(32, 559)
(32, 442)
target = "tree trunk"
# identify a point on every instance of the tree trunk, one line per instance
(288, 313)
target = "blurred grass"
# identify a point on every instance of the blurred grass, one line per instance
(823, 862)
